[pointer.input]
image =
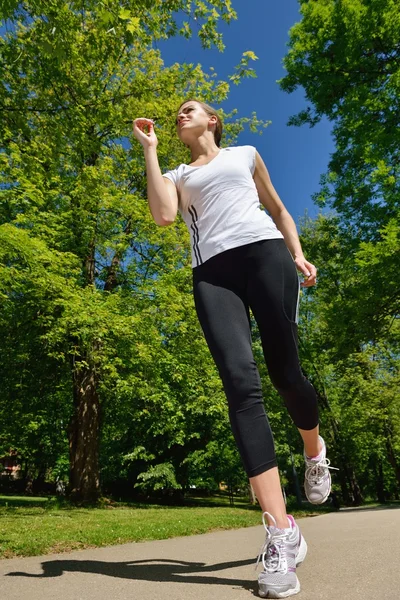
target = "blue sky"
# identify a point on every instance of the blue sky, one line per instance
(295, 156)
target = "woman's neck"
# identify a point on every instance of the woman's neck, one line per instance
(203, 148)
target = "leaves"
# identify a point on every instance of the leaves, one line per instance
(242, 69)
(89, 284)
(346, 56)
(124, 14)
(159, 477)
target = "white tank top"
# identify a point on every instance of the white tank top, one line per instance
(220, 205)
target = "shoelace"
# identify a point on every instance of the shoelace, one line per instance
(315, 471)
(273, 550)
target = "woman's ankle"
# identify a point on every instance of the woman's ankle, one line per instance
(281, 521)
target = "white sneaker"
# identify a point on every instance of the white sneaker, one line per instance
(282, 552)
(317, 480)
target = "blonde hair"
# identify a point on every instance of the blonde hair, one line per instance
(212, 113)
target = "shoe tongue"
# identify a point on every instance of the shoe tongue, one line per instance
(277, 531)
(277, 536)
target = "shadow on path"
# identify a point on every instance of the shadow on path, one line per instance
(160, 570)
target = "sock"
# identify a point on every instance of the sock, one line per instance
(316, 458)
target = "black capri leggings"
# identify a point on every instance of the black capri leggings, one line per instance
(261, 276)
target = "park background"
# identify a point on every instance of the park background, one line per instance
(108, 391)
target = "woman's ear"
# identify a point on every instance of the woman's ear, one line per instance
(212, 122)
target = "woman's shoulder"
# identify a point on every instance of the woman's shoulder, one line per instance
(175, 175)
(177, 170)
(245, 155)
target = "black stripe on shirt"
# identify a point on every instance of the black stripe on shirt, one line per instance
(196, 238)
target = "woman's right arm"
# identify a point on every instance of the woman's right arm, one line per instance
(161, 193)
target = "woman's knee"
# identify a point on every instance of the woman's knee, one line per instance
(289, 381)
(241, 382)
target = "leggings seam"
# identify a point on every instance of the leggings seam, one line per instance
(283, 289)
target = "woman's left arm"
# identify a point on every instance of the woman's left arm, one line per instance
(282, 219)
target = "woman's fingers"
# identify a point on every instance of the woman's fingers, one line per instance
(310, 281)
(143, 120)
(142, 123)
(143, 130)
(309, 272)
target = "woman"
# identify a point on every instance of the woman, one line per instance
(242, 258)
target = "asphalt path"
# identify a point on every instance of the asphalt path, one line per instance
(353, 554)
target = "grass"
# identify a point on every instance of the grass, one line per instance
(37, 526)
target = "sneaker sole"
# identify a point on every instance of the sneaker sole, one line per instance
(270, 593)
(319, 501)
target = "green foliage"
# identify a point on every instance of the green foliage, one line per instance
(91, 289)
(158, 477)
(346, 56)
(358, 285)
(350, 351)
(90, 285)
(242, 69)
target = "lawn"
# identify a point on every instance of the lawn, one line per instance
(37, 526)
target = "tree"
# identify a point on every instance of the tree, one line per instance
(73, 196)
(346, 56)
(357, 380)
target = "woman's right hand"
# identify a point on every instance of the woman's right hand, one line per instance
(143, 130)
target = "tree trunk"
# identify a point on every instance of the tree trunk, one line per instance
(380, 484)
(391, 453)
(355, 488)
(83, 430)
(351, 491)
(346, 497)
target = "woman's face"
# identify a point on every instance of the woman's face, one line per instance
(192, 121)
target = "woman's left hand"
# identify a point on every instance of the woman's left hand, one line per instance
(308, 270)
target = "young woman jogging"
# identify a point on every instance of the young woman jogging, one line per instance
(242, 258)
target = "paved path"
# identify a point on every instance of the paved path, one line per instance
(352, 555)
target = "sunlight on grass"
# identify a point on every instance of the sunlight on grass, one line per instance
(35, 526)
